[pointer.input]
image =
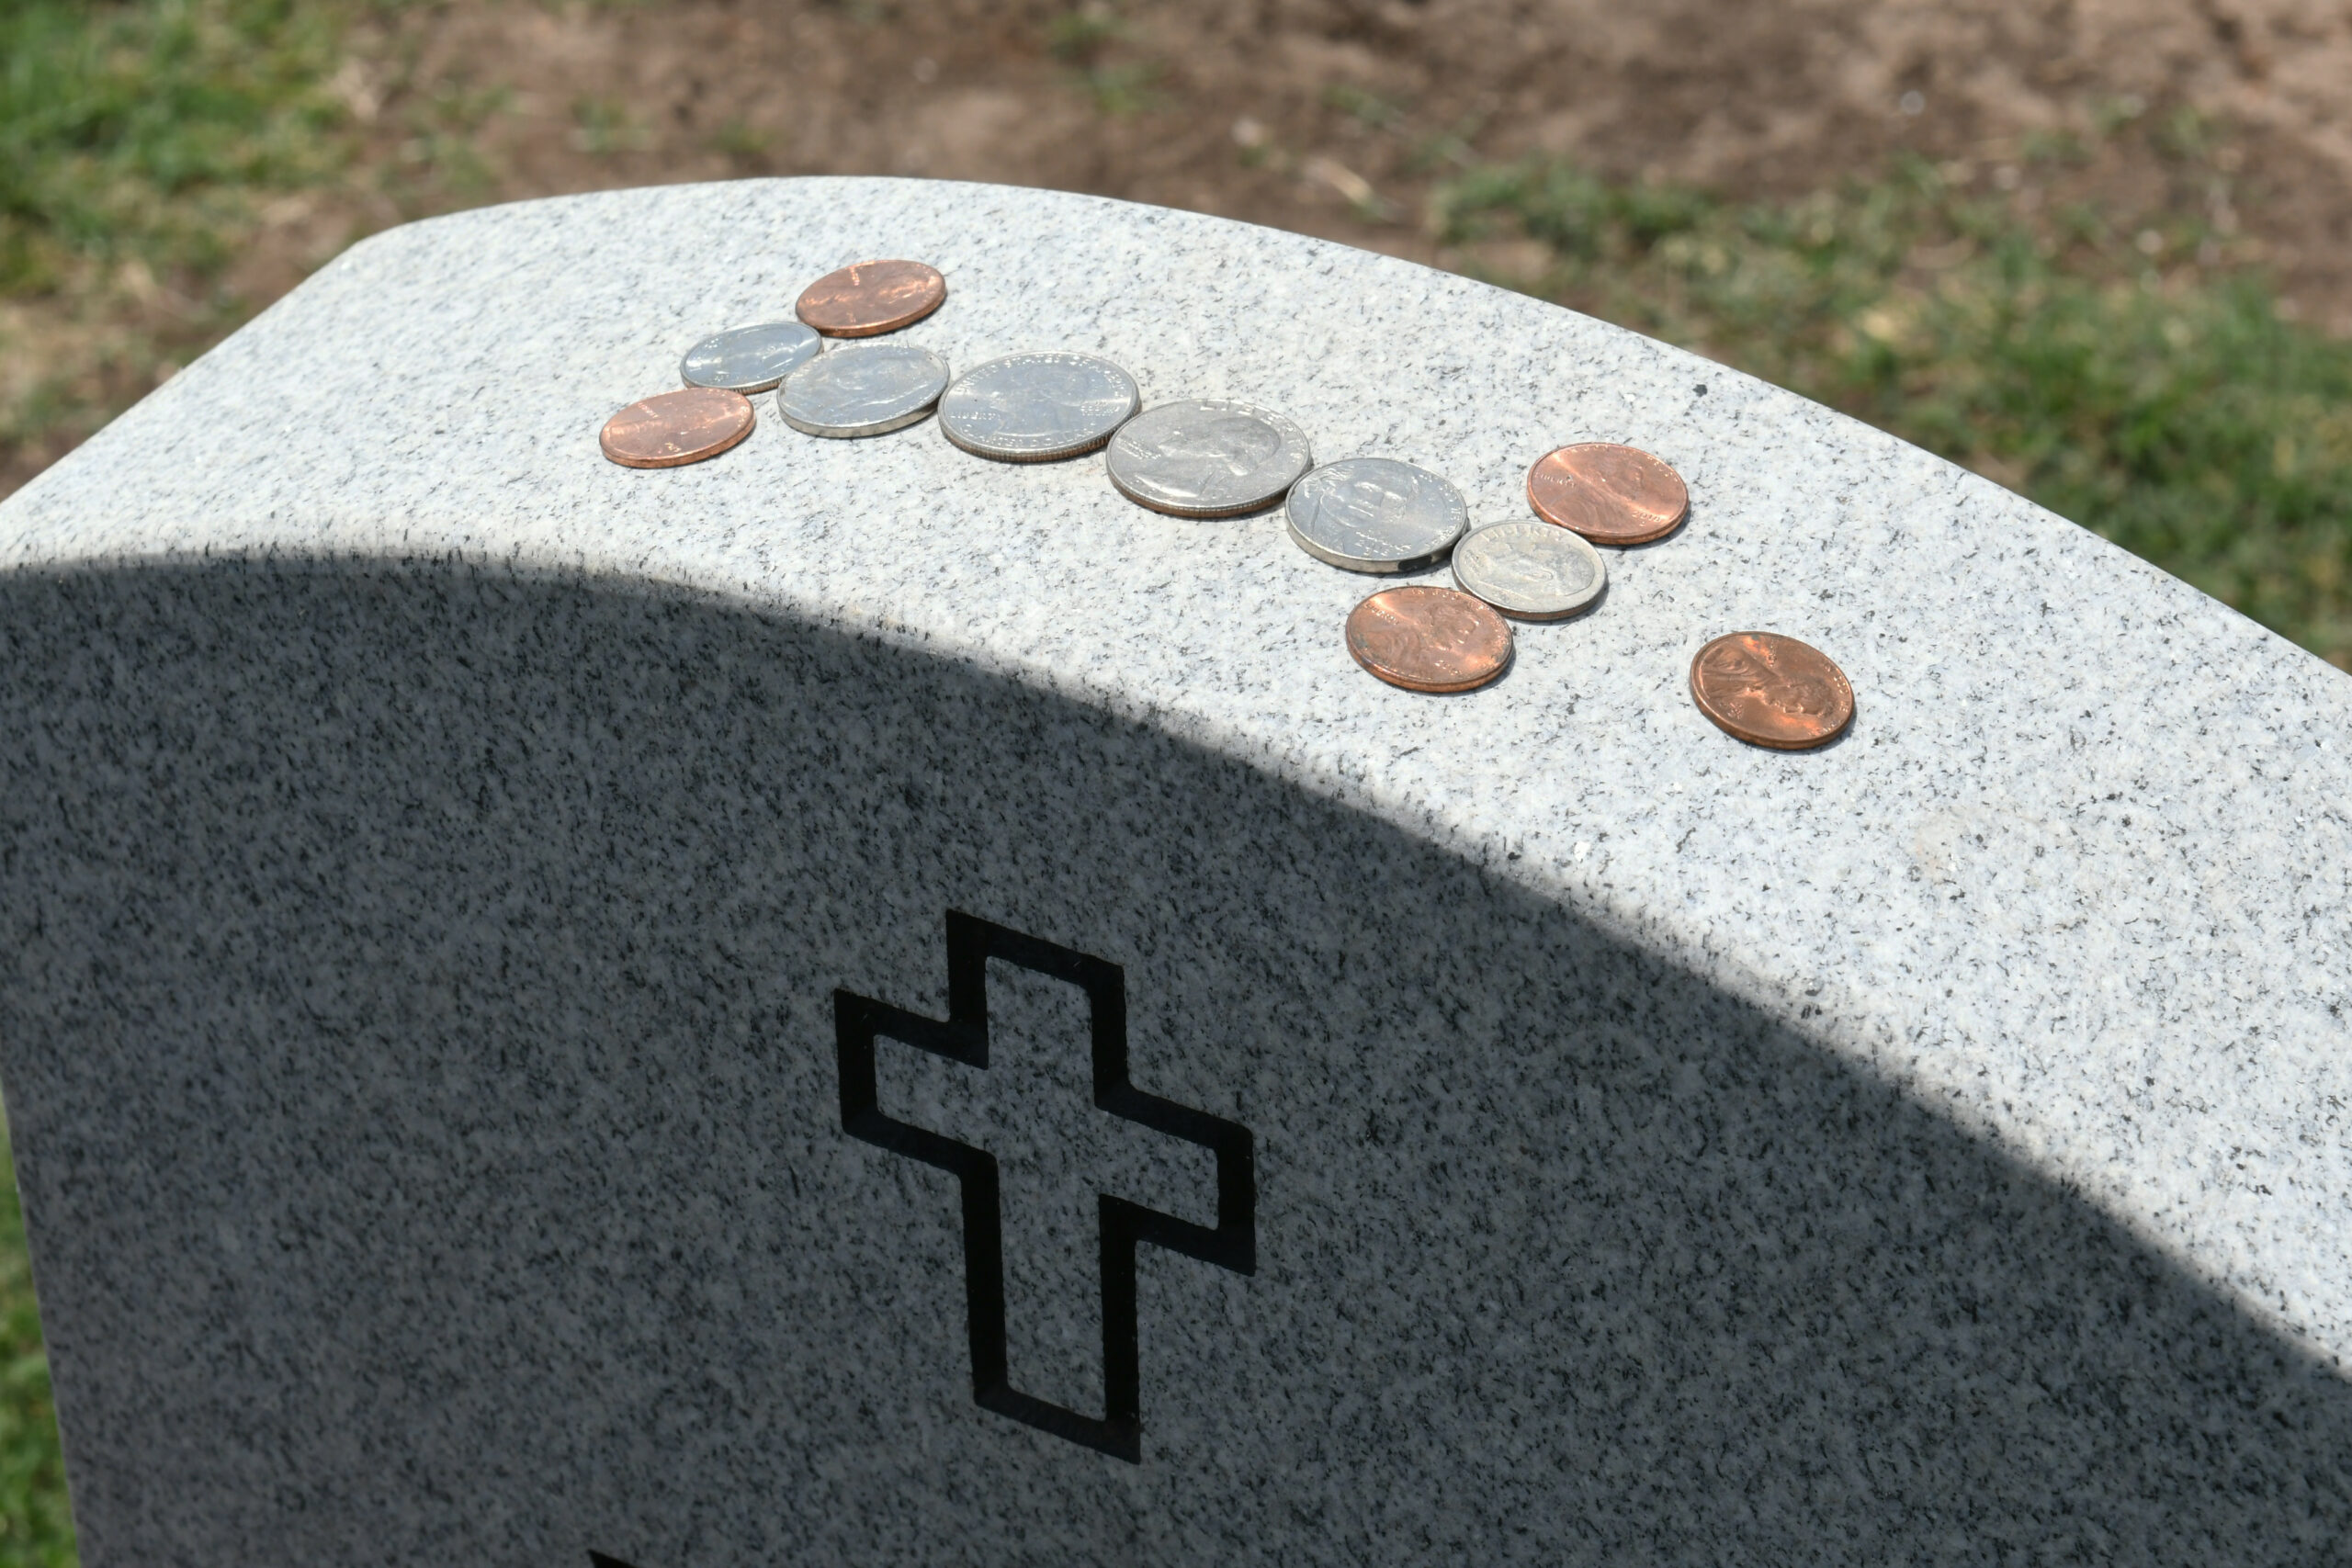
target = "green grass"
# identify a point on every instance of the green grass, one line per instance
(140, 145)
(142, 131)
(35, 1529)
(2175, 414)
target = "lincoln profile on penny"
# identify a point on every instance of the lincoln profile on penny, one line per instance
(860, 1021)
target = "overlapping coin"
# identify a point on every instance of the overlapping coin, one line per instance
(672, 429)
(1610, 494)
(1533, 571)
(1771, 690)
(1207, 458)
(1375, 514)
(750, 359)
(1428, 639)
(865, 388)
(1035, 407)
(871, 298)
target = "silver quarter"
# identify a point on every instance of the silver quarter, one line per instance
(1203, 459)
(1375, 514)
(863, 388)
(1535, 571)
(1034, 408)
(749, 359)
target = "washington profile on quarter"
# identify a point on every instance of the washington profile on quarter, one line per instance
(1035, 407)
(1428, 639)
(865, 388)
(1534, 572)
(1202, 457)
(750, 359)
(1771, 690)
(1375, 514)
(672, 429)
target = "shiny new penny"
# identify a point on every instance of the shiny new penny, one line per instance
(1610, 494)
(871, 296)
(1428, 639)
(676, 428)
(1771, 690)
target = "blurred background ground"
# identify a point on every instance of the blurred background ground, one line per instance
(2099, 250)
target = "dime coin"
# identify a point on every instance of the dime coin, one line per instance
(1531, 570)
(1428, 639)
(1203, 458)
(676, 428)
(1034, 408)
(863, 390)
(749, 359)
(1771, 690)
(1375, 514)
(1610, 494)
(871, 296)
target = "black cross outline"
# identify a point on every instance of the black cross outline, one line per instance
(858, 1021)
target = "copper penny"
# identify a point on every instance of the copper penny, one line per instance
(1428, 639)
(871, 296)
(676, 428)
(1610, 494)
(1771, 690)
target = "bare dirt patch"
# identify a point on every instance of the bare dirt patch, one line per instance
(1335, 116)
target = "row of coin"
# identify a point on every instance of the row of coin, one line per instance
(1211, 459)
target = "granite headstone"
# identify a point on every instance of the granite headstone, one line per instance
(852, 1004)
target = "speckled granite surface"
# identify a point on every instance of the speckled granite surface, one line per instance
(431, 853)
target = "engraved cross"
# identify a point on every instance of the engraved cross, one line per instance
(860, 1021)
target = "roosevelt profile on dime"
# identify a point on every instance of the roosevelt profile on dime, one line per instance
(1207, 457)
(1531, 572)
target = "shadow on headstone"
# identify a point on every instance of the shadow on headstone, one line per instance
(421, 1051)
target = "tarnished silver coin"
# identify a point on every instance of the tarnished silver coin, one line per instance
(750, 359)
(1034, 408)
(1534, 571)
(1204, 459)
(1375, 514)
(863, 388)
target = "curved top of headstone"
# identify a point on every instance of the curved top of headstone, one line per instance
(2078, 876)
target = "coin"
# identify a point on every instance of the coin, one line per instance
(1034, 408)
(1610, 494)
(1771, 690)
(1428, 639)
(675, 428)
(1375, 514)
(871, 296)
(1531, 570)
(863, 390)
(1205, 458)
(749, 359)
